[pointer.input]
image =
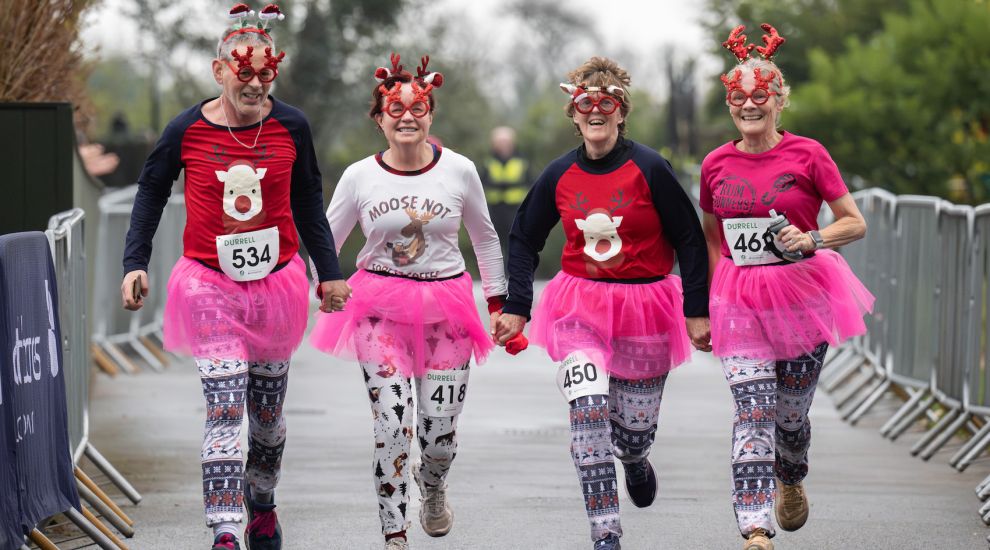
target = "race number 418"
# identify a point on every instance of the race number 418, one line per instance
(442, 392)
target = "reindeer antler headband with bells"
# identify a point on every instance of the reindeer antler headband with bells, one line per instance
(423, 83)
(240, 13)
(736, 43)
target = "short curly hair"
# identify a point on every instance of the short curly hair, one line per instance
(601, 72)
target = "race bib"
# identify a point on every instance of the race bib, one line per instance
(751, 241)
(442, 392)
(578, 376)
(248, 256)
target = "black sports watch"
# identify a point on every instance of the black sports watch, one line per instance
(817, 238)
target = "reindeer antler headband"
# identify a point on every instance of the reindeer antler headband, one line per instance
(423, 83)
(736, 43)
(240, 13)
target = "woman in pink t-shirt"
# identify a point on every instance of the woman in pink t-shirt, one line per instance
(779, 295)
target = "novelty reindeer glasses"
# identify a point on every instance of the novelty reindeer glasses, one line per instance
(736, 43)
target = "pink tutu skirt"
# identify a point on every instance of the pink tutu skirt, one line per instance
(405, 324)
(637, 330)
(785, 311)
(209, 315)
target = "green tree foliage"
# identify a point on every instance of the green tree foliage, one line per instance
(907, 109)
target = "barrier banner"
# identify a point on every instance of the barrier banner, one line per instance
(33, 382)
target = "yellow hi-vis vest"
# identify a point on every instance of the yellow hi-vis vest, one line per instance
(506, 182)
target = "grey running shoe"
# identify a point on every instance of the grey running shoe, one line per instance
(396, 544)
(434, 513)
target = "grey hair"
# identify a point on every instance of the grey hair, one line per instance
(230, 42)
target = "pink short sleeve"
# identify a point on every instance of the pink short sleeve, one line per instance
(825, 175)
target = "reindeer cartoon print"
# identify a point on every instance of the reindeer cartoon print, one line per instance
(602, 243)
(242, 203)
(404, 254)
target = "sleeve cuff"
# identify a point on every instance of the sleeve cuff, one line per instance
(496, 303)
(516, 308)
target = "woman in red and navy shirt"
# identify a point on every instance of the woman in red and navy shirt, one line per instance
(614, 308)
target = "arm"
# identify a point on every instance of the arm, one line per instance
(709, 223)
(154, 187)
(535, 219)
(849, 226)
(683, 231)
(306, 199)
(484, 239)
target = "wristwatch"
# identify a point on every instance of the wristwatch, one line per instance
(817, 238)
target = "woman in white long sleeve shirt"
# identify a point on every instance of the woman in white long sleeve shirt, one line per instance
(412, 313)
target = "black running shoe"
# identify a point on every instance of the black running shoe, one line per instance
(226, 541)
(611, 542)
(263, 531)
(641, 483)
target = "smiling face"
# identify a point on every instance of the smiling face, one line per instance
(597, 128)
(406, 129)
(755, 121)
(247, 99)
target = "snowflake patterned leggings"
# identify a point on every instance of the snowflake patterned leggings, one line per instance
(228, 385)
(621, 424)
(771, 432)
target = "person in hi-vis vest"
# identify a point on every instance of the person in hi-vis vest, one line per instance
(506, 179)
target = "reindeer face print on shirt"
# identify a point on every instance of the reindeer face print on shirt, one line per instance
(407, 223)
(242, 200)
(600, 226)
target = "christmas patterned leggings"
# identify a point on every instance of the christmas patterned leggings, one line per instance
(393, 409)
(227, 386)
(771, 432)
(621, 424)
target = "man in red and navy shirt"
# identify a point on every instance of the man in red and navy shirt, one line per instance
(237, 299)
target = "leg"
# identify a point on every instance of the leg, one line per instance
(437, 434)
(634, 413)
(591, 449)
(635, 404)
(753, 386)
(392, 408)
(796, 383)
(224, 386)
(266, 441)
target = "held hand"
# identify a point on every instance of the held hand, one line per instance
(796, 241)
(507, 327)
(335, 295)
(700, 332)
(133, 289)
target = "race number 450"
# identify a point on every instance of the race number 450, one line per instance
(579, 376)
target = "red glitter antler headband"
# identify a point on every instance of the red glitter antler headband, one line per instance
(736, 43)
(423, 84)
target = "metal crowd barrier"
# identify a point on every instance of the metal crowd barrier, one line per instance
(124, 340)
(928, 263)
(66, 237)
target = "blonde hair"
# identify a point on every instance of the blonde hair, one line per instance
(602, 72)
